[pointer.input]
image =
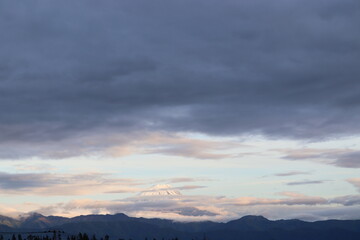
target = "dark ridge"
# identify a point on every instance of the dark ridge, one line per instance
(121, 226)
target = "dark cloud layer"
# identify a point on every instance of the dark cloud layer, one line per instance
(281, 68)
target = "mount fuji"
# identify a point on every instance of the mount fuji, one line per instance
(161, 190)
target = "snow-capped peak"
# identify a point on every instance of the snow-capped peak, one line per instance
(161, 190)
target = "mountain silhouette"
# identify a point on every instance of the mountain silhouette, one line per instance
(248, 227)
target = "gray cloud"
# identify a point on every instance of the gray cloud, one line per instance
(189, 187)
(305, 182)
(65, 184)
(215, 67)
(292, 173)
(349, 200)
(347, 158)
(21, 181)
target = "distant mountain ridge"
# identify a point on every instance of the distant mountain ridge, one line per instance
(248, 227)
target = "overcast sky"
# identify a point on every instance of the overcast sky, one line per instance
(253, 105)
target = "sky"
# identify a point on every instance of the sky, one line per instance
(241, 107)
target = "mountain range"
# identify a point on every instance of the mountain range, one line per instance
(121, 226)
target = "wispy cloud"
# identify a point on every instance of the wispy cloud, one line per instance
(291, 173)
(183, 179)
(297, 199)
(355, 182)
(347, 158)
(177, 145)
(107, 143)
(190, 187)
(42, 167)
(305, 182)
(50, 184)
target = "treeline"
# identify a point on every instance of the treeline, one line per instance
(80, 236)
